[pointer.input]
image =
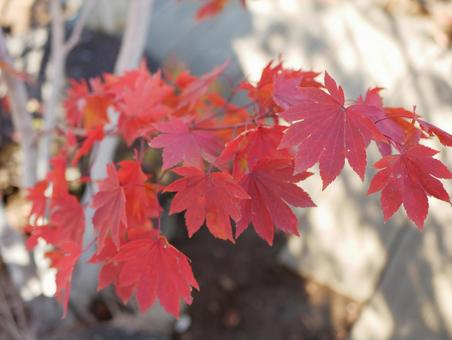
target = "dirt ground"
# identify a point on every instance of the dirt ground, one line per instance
(246, 294)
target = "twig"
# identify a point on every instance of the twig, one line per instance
(17, 94)
(78, 28)
(56, 83)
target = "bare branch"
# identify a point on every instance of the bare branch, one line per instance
(78, 28)
(134, 39)
(17, 94)
(56, 83)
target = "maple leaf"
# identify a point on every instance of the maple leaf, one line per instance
(85, 107)
(57, 174)
(64, 259)
(272, 186)
(408, 178)
(191, 94)
(444, 137)
(213, 197)
(110, 269)
(389, 121)
(110, 208)
(287, 83)
(181, 143)
(142, 105)
(141, 197)
(251, 146)
(38, 199)
(327, 132)
(211, 8)
(68, 217)
(156, 270)
(92, 136)
(262, 92)
(75, 101)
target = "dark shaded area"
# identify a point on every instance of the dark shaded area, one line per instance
(103, 332)
(246, 294)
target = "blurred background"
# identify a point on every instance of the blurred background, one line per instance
(349, 275)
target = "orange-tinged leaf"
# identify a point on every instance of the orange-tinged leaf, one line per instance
(141, 197)
(251, 146)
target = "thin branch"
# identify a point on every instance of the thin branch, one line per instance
(56, 83)
(22, 121)
(78, 28)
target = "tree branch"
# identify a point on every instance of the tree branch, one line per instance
(76, 34)
(18, 97)
(56, 83)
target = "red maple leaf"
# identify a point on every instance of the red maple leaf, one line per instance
(192, 93)
(38, 199)
(389, 121)
(272, 186)
(213, 197)
(109, 272)
(211, 8)
(408, 178)
(64, 259)
(327, 132)
(142, 105)
(92, 136)
(87, 107)
(156, 270)
(141, 197)
(180, 143)
(251, 146)
(287, 83)
(444, 137)
(110, 205)
(68, 217)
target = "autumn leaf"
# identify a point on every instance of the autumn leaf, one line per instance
(92, 137)
(180, 143)
(64, 259)
(408, 178)
(286, 86)
(87, 107)
(142, 105)
(444, 137)
(272, 187)
(325, 131)
(251, 146)
(211, 197)
(141, 196)
(198, 87)
(68, 216)
(110, 208)
(156, 270)
(36, 195)
(211, 8)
